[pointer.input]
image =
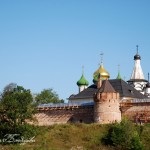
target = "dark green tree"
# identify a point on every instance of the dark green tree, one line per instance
(16, 105)
(123, 136)
(48, 96)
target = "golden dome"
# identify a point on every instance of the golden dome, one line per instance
(101, 71)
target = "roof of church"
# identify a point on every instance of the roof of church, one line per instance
(82, 81)
(101, 71)
(137, 72)
(137, 56)
(124, 89)
(106, 87)
(119, 75)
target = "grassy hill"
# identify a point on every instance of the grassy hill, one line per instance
(73, 137)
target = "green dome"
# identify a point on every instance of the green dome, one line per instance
(82, 81)
(119, 76)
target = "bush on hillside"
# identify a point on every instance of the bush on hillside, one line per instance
(123, 136)
(21, 132)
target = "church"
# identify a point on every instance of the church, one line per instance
(105, 101)
(137, 87)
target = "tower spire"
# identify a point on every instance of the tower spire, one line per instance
(137, 72)
(137, 79)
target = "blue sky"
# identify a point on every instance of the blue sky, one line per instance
(45, 43)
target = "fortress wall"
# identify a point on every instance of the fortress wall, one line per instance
(138, 112)
(64, 115)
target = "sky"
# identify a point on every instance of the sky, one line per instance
(45, 43)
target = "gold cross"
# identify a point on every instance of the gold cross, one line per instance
(101, 57)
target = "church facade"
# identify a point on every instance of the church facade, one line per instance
(105, 101)
(136, 87)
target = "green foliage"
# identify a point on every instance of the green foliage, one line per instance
(26, 130)
(47, 96)
(124, 136)
(74, 136)
(145, 136)
(16, 106)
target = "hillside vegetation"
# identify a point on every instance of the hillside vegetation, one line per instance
(77, 137)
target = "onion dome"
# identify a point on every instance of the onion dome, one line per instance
(137, 56)
(119, 76)
(82, 81)
(101, 72)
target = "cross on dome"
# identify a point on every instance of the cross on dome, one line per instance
(118, 67)
(83, 69)
(101, 57)
(137, 48)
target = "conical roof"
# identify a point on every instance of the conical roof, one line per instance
(106, 87)
(82, 81)
(100, 72)
(137, 72)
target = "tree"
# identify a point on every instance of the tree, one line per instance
(10, 87)
(16, 105)
(47, 96)
(124, 136)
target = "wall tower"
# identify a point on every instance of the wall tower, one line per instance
(106, 106)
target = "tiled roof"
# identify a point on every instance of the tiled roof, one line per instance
(124, 89)
(85, 94)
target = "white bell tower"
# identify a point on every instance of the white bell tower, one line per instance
(137, 79)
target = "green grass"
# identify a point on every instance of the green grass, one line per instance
(72, 137)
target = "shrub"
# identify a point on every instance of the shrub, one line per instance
(123, 136)
(9, 135)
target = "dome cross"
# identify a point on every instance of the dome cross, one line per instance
(137, 48)
(101, 54)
